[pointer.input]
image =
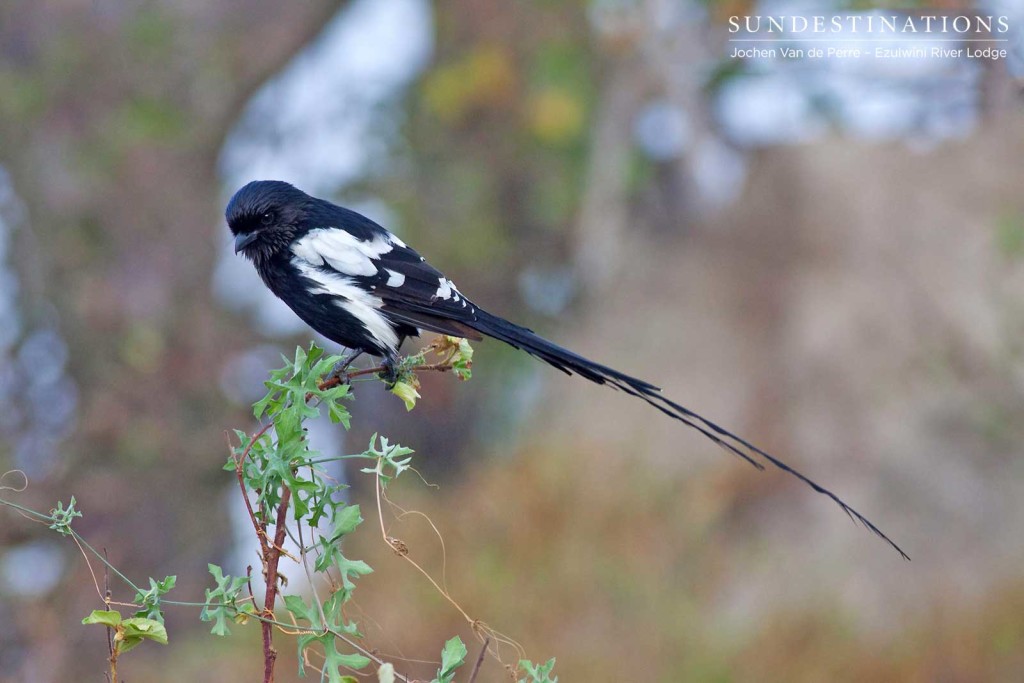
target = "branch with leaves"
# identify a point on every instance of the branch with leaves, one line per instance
(289, 496)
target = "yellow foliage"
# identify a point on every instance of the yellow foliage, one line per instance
(484, 79)
(555, 115)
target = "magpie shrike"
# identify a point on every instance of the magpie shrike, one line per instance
(362, 287)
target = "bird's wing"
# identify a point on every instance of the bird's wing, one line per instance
(416, 293)
(410, 290)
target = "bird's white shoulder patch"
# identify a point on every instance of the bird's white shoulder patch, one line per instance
(395, 279)
(342, 251)
(363, 305)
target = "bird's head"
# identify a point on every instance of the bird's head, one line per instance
(265, 216)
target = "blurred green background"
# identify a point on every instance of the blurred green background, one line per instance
(828, 258)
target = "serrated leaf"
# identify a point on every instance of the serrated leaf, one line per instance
(347, 567)
(453, 655)
(351, 661)
(62, 517)
(338, 413)
(306, 611)
(300, 609)
(387, 456)
(331, 555)
(222, 601)
(259, 408)
(345, 521)
(323, 366)
(150, 600)
(335, 660)
(537, 673)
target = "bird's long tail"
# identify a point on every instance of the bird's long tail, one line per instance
(570, 363)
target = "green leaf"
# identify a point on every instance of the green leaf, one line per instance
(537, 673)
(222, 601)
(331, 555)
(452, 657)
(351, 568)
(300, 609)
(300, 359)
(335, 618)
(345, 521)
(387, 456)
(62, 517)
(338, 413)
(407, 392)
(128, 632)
(321, 500)
(462, 360)
(150, 600)
(335, 660)
(260, 407)
(105, 617)
(137, 629)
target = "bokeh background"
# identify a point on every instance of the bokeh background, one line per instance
(827, 257)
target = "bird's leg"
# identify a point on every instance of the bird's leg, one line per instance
(389, 373)
(341, 366)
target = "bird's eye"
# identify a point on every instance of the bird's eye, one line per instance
(267, 218)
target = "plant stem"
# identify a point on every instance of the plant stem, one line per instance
(479, 660)
(271, 558)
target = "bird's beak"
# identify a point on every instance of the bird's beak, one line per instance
(243, 240)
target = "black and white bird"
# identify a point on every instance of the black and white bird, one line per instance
(363, 288)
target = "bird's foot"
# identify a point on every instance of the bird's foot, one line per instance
(389, 371)
(338, 371)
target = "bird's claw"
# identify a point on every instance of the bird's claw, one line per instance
(389, 372)
(337, 373)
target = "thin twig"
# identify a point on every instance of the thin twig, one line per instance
(480, 660)
(269, 553)
(15, 489)
(117, 572)
(437, 532)
(239, 465)
(110, 636)
(479, 627)
(88, 564)
(330, 382)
